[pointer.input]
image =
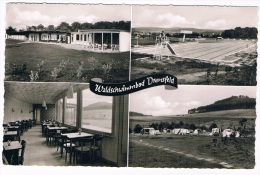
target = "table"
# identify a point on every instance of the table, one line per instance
(10, 135)
(76, 135)
(12, 151)
(50, 131)
(13, 127)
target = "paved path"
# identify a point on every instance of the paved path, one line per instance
(224, 164)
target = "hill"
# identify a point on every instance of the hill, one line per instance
(98, 105)
(234, 102)
(136, 114)
(174, 30)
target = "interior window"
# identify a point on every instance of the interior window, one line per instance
(71, 111)
(59, 110)
(96, 112)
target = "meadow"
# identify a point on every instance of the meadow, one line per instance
(54, 63)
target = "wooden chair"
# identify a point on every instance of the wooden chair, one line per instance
(21, 157)
(83, 149)
(97, 146)
(67, 149)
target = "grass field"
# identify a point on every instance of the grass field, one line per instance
(143, 156)
(9, 42)
(68, 65)
(238, 154)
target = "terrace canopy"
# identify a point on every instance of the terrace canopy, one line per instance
(102, 39)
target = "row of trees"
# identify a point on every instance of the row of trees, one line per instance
(75, 26)
(238, 32)
(233, 102)
(166, 125)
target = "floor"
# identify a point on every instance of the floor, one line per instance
(37, 152)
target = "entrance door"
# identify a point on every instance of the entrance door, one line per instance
(38, 116)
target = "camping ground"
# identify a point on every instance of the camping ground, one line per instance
(194, 151)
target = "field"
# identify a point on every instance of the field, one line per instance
(169, 150)
(56, 63)
(174, 151)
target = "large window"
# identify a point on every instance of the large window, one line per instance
(71, 111)
(96, 112)
(59, 110)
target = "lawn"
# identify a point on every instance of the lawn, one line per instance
(239, 153)
(55, 63)
(148, 157)
(9, 41)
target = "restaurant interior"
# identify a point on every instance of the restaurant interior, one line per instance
(63, 124)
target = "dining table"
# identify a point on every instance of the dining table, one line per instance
(52, 130)
(10, 135)
(11, 151)
(74, 136)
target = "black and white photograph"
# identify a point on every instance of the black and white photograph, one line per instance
(191, 130)
(67, 42)
(204, 45)
(129, 87)
(63, 124)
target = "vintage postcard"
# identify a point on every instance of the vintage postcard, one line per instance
(127, 87)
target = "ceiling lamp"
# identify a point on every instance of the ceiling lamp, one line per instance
(44, 104)
(70, 92)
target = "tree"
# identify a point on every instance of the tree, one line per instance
(213, 125)
(86, 25)
(181, 123)
(242, 122)
(138, 128)
(130, 130)
(11, 29)
(64, 26)
(34, 28)
(40, 27)
(50, 27)
(75, 26)
(192, 126)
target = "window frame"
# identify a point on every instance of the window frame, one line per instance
(79, 93)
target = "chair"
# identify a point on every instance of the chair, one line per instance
(83, 148)
(21, 157)
(67, 149)
(4, 159)
(49, 136)
(97, 146)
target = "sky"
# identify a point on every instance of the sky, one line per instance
(203, 17)
(21, 15)
(157, 101)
